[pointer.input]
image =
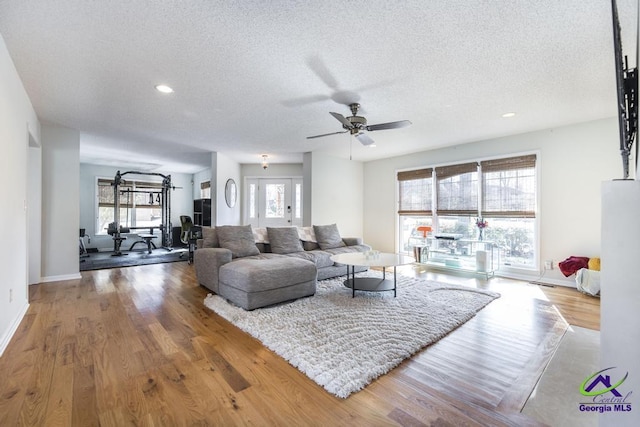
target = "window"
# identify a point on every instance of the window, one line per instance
(205, 190)
(298, 200)
(415, 193)
(509, 204)
(252, 201)
(140, 204)
(509, 187)
(450, 198)
(274, 200)
(457, 191)
(414, 205)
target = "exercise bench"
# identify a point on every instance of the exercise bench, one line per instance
(146, 238)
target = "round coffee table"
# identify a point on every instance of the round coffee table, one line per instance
(368, 259)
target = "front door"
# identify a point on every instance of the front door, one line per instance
(274, 202)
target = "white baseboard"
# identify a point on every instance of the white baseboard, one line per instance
(61, 278)
(6, 338)
(568, 282)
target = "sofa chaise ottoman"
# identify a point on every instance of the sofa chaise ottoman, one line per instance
(258, 282)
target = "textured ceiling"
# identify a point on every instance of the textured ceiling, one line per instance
(253, 77)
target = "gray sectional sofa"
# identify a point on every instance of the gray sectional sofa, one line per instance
(254, 268)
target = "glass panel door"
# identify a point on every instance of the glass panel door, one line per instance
(273, 202)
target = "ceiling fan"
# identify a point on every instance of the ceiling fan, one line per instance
(356, 125)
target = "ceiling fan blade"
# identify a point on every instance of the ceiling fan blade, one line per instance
(342, 119)
(326, 134)
(365, 139)
(298, 102)
(318, 66)
(390, 125)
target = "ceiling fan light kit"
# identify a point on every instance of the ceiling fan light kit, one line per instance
(357, 125)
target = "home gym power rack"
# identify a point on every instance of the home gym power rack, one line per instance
(116, 229)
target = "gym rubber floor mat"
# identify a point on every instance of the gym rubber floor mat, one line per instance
(101, 260)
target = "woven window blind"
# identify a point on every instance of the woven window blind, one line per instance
(415, 192)
(509, 187)
(457, 189)
(105, 193)
(510, 163)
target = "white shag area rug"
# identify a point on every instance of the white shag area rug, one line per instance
(344, 343)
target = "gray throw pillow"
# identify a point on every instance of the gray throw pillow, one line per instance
(210, 238)
(328, 236)
(284, 240)
(310, 246)
(238, 239)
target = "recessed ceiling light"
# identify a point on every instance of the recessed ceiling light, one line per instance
(507, 115)
(164, 89)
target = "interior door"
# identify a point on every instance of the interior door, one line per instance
(274, 202)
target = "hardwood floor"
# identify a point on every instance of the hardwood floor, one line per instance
(136, 346)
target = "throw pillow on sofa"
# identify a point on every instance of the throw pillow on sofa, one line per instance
(284, 240)
(307, 234)
(308, 237)
(210, 237)
(238, 239)
(328, 236)
(260, 235)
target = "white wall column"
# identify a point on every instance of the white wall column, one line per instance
(60, 202)
(620, 302)
(337, 187)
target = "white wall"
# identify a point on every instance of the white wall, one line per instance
(181, 198)
(60, 202)
(274, 170)
(226, 169)
(337, 193)
(573, 161)
(17, 118)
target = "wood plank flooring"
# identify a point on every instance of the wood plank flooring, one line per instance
(136, 346)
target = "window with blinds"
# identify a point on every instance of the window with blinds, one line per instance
(501, 191)
(205, 190)
(415, 192)
(509, 187)
(457, 189)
